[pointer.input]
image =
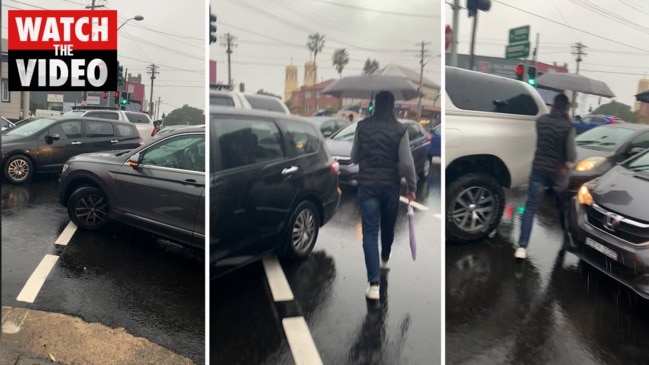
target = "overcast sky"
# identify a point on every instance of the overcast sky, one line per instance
(618, 43)
(172, 35)
(272, 32)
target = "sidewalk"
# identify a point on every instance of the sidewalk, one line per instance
(35, 337)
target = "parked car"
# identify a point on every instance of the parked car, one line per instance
(435, 138)
(6, 124)
(273, 184)
(599, 149)
(591, 121)
(608, 223)
(142, 121)
(173, 128)
(341, 142)
(158, 187)
(329, 125)
(490, 138)
(247, 101)
(42, 145)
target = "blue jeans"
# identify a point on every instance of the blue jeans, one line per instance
(379, 209)
(539, 182)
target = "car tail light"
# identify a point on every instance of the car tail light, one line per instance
(334, 167)
(612, 121)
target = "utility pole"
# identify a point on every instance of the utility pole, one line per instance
(578, 51)
(157, 109)
(93, 6)
(422, 53)
(152, 70)
(228, 43)
(456, 24)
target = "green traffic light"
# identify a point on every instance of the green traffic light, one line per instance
(124, 101)
(521, 209)
(532, 82)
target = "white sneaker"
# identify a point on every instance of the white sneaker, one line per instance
(520, 253)
(373, 292)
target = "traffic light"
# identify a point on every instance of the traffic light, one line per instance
(519, 72)
(531, 75)
(120, 74)
(212, 20)
(125, 98)
(370, 108)
(116, 97)
(474, 5)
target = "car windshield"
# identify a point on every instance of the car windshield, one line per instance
(603, 138)
(31, 127)
(639, 164)
(74, 113)
(345, 134)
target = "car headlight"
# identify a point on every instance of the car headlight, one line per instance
(583, 196)
(589, 163)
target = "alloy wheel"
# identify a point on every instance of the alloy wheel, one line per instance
(473, 208)
(304, 230)
(92, 210)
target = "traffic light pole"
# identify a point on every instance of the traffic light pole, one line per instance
(475, 26)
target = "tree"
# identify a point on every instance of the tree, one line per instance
(263, 92)
(340, 59)
(370, 66)
(315, 44)
(620, 109)
(187, 115)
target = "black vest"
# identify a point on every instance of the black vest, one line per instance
(378, 161)
(551, 133)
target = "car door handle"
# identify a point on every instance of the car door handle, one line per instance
(289, 170)
(76, 142)
(114, 140)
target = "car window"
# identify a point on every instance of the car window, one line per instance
(99, 129)
(640, 141)
(66, 130)
(222, 100)
(341, 124)
(599, 120)
(138, 118)
(603, 138)
(413, 131)
(184, 152)
(328, 126)
(30, 127)
(479, 92)
(588, 120)
(245, 142)
(346, 134)
(263, 103)
(303, 136)
(125, 130)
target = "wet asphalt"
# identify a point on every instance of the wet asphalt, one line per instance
(120, 277)
(329, 288)
(548, 309)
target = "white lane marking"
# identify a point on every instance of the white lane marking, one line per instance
(276, 280)
(66, 235)
(419, 206)
(300, 341)
(37, 279)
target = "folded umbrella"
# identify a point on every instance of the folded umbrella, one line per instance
(411, 228)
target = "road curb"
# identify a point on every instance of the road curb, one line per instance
(57, 338)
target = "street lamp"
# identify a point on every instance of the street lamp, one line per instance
(137, 17)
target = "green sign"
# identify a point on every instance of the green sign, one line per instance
(520, 34)
(518, 50)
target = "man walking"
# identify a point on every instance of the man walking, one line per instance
(555, 153)
(382, 150)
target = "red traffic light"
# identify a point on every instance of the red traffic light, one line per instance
(519, 72)
(116, 94)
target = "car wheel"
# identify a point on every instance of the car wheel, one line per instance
(88, 208)
(474, 207)
(302, 231)
(18, 169)
(425, 171)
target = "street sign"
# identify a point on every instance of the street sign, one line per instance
(518, 50)
(520, 34)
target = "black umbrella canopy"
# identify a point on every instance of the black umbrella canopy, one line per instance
(574, 82)
(367, 86)
(643, 97)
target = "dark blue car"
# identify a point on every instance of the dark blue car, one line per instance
(435, 138)
(592, 121)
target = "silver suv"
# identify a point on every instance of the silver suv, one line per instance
(247, 101)
(490, 140)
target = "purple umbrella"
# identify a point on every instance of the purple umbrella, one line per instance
(411, 227)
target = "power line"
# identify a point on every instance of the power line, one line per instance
(427, 16)
(571, 27)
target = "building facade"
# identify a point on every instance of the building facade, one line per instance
(308, 99)
(14, 105)
(290, 82)
(643, 85)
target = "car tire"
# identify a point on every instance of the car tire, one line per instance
(469, 197)
(425, 171)
(302, 231)
(18, 169)
(88, 208)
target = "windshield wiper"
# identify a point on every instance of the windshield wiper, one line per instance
(639, 167)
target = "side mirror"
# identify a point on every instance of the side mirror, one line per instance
(635, 150)
(52, 137)
(134, 161)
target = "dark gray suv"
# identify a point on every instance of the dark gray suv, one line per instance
(159, 187)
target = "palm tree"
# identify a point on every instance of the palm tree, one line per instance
(370, 66)
(315, 44)
(340, 59)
